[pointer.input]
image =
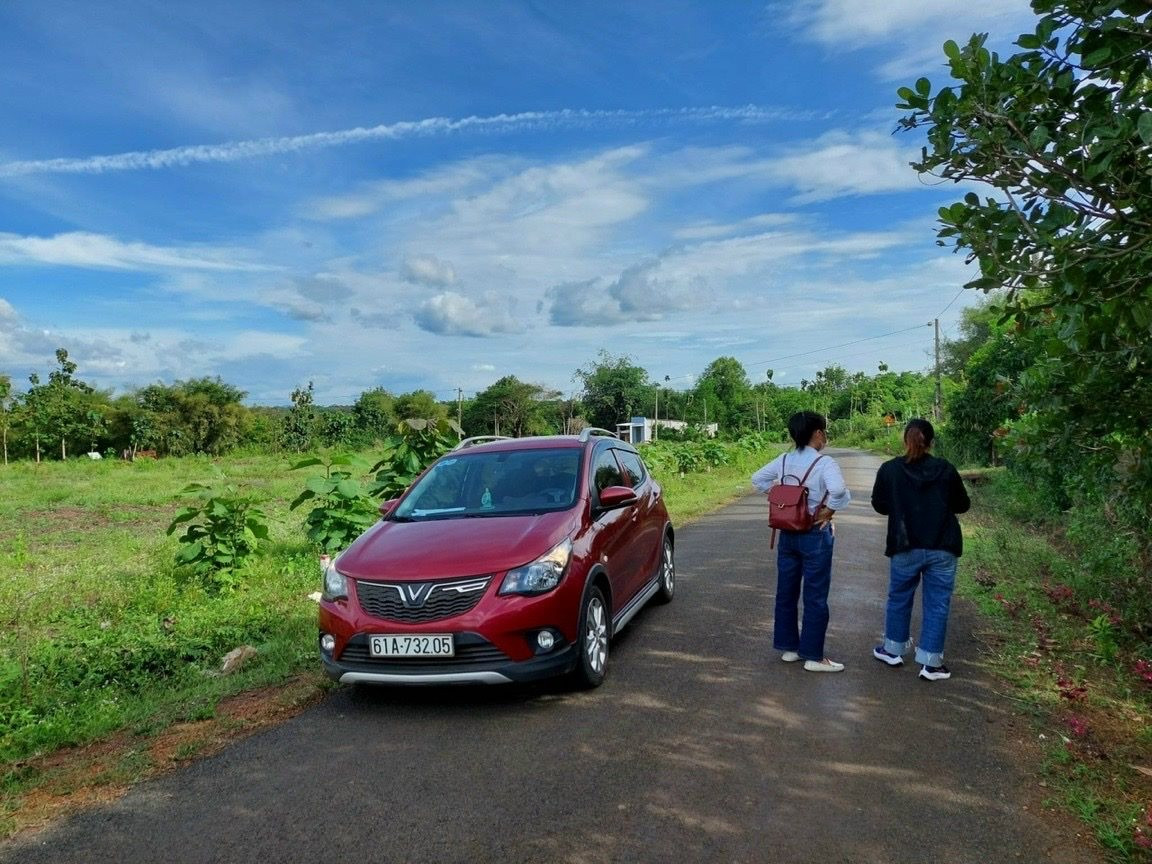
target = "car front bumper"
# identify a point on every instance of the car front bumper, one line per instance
(477, 662)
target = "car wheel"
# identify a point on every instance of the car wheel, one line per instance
(667, 574)
(593, 662)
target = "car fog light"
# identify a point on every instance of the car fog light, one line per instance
(327, 642)
(545, 639)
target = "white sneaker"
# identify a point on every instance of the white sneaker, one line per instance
(824, 665)
(789, 656)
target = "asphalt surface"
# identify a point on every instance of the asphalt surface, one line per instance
(700, 747)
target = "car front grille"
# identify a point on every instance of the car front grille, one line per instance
(420, 602)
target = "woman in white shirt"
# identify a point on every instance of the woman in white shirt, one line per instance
(804, 558)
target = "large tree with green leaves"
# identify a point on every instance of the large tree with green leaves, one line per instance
(64, 410)
(1060, 136)
(511, 407)
(375, 412)
(614, 388)
(724, 383)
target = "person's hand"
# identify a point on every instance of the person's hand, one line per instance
(824, 515)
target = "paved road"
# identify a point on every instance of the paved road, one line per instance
(701, 747)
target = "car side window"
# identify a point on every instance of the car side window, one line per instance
(606, 472)
(634, 466)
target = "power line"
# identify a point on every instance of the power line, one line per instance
(843, 345)
(950, 302)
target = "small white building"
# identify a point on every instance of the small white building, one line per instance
(642, 430)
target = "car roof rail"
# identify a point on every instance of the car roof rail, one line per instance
(480, 439)
(588, 431)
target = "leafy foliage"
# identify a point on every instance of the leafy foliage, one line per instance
(343, 508)
(614, 389)
(510, 407)
(1060, 134)
(224, 530)
(416, 443)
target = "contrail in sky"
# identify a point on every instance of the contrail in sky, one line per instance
(233, 151)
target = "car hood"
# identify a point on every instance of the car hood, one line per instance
(447, 548)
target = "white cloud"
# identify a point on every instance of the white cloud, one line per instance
(840, 164)
(87, 250)
(232, 151)
(428, 270)
(639, 294)
(839, 22)
(453, 314)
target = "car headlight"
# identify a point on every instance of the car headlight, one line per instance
(335, 585)
(541, 575)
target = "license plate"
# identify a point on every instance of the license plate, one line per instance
(411, 645)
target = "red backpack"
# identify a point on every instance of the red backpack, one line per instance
(788, 504)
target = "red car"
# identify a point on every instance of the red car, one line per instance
(507, 560)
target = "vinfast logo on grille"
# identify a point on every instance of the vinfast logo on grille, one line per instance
(416, 594)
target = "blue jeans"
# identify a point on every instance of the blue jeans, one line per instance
(937, 569)
(803, 567)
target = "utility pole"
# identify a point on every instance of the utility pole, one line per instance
(936, 408)
(460, 412)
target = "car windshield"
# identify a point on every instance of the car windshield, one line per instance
(494, 483)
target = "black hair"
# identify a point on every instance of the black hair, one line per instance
(918, 437)
(803, 425)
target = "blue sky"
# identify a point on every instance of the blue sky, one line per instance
(432, 194)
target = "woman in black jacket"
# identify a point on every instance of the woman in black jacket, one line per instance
(921, 495)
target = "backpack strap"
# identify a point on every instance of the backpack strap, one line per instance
(810, 467)
(809, 471)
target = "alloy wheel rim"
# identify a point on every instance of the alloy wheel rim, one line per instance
(596, 636)
(669, 569)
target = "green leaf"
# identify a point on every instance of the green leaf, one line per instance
(189, 553)
(1144, 127)
(320, 485)
(307, 463)
(951, 50)
(306, 495)
(1099, 57)
(923, 86)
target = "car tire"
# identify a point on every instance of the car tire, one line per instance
(667, 575)
(592, 662)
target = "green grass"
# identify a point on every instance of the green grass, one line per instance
(1075, 677)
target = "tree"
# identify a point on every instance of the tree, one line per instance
(510, 407)
(1061, 133)
(977, 325)
(375, 413)
(300, 424)
(201, 415)
(63, 409)
(725, 384)
(614, 388)
(422, 404)
(5, 410)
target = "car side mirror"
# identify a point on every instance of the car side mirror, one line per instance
(387, 506)
(612, 497)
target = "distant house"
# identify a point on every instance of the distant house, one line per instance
(641, 430)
